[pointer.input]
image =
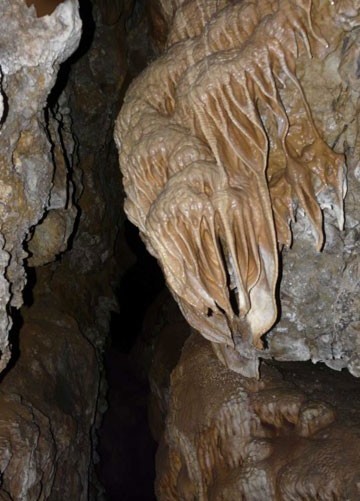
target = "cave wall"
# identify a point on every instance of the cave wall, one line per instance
(63, 232)
(29, 65)
(291, 435)
(62, 235)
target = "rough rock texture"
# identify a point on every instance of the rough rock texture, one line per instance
(68, 218)
(234, 142)
(50, 390)
(292, 435)
(48, 404)
(319, 292)
(30, 54)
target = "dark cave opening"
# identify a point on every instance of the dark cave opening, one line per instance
(126, 447)
(139, 286)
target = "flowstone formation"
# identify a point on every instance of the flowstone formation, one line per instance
(292, 435)
(34, 180)
(239, 139)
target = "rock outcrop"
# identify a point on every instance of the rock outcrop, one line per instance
(48, 405)
(61, 214)
(31, 51)
(291, 435)
(230, 149)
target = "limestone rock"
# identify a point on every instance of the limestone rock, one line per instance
(48, 402)
(51, 407)
(230, 150)
(51, 236)
(292, 435)
(30, 54)
(319, 292)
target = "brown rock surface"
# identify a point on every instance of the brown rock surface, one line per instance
(292, 435)
(172, 331)
(230, 147)
(44, 7)
(226, 435)
(47, 406)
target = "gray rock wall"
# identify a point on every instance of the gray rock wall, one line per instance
(31, 51)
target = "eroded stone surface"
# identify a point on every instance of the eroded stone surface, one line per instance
(48, 404)
(292, 435)
(82, 282)
(230, 149)
(31, 51)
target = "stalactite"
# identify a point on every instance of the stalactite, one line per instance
(216, 164)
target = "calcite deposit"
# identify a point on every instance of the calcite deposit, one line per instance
(240, 139)
(31, 51)
(291, 435)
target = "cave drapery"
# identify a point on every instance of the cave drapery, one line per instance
(225, 155)
(239, 151)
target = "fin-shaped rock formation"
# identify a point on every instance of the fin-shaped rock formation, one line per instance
(220, 151)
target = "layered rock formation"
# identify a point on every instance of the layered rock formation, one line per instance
(233, 144)
(239, 149)
(230, 147)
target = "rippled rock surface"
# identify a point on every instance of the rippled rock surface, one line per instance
(238, 146)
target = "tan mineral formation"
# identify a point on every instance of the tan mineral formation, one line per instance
(292, 435)
(235, 140)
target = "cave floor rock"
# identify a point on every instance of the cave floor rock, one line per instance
(293, 434)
